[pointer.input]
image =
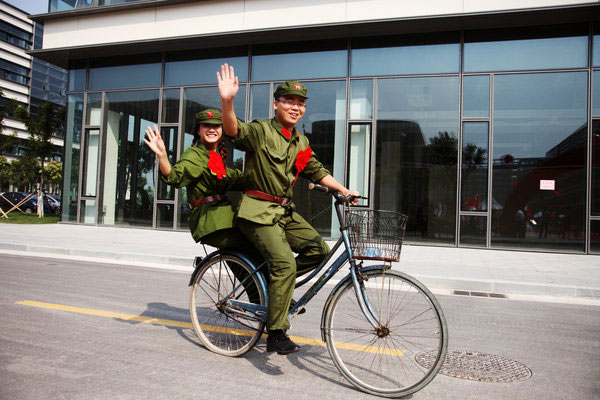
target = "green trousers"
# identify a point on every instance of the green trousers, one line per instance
(277, 244)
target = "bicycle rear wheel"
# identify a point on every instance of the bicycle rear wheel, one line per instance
(381, 360)
(226, 330)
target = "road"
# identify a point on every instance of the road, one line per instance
(79, 330)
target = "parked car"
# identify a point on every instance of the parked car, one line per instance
(30, 206)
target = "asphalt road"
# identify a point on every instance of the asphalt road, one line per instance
(68, 331)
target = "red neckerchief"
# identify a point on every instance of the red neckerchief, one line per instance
(301, 161)
(215, 164)
(286, 133)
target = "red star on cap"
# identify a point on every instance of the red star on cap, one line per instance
(297, 86)
(210, 114)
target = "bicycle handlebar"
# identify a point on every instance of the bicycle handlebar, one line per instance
(338, 196)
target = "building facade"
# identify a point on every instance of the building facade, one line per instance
(26, 79)
(478, 119)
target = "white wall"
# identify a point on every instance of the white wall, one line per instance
(221, 16)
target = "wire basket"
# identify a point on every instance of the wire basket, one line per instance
(375, 234)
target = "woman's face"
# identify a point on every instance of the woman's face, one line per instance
(210, 134)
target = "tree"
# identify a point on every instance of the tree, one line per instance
(4, 171)
(7, 108)
(24, 170)
(42, 125)
(53, 172)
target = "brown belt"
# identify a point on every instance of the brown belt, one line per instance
(269, 197)
(204, 200)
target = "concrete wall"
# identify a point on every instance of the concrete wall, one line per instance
(221, 16)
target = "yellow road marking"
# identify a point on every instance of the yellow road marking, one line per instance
(181, 324)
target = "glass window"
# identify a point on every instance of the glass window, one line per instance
(93, 114)
(596, 167)
(73, 127)
(539, 154)
(128, 163)
(509, 55)
(170, 106)
(474, 173)
(90, 162)
(476, 96)
(361, 99)
(595, 236)
(417, 152)
(596, 55)
(77, 79)
(169, 136)
(473, 230)
(88, 211)
(596, 93)
(125, 76)
(164, 215)
(401, 60)
(359, 159)
(304, 65)
(261, 101)
(194, 72)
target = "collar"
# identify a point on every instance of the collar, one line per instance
(284, 132)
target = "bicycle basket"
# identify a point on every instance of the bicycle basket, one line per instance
(375, 234)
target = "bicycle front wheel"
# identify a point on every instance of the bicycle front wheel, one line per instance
(230, 331)
(381, 360)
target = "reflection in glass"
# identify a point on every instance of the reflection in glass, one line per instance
(125, 76)
(261, 101)
(72, 153)
(476, 96)
(596, 55)
(595, 236)
(170, 106)
(90, 162)
(193, 72)
(473, 230)
(596, 93)
(76, 79)
(164, 215)
(88, 211)
(400, 60)
(169, 136)
(595, 167)
(539, 154)
(93, 114)
(510, 55)
(324, 123)
(359, 159)
(317, 64)
(361, 99)
(474, 173)
(417, 148)
(128, 163)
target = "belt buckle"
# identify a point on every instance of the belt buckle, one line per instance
(285, 201)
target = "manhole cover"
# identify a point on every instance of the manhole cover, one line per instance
(476, 366)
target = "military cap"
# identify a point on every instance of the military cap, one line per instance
(290, 88)
(209, 116)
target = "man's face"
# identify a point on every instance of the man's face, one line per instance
(289, 110)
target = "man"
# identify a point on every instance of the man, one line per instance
(276, 154)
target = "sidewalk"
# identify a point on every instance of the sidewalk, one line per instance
(440, 268)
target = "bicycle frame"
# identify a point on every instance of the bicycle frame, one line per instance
(259, 312)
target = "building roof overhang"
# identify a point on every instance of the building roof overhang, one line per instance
(62, 57)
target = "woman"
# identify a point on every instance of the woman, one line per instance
(202, 171)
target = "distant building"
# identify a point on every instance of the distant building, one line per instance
(26, 79)
(479, 119)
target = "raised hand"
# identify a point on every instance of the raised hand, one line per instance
(155, 142)
(228, 82)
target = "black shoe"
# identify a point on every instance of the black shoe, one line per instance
(293, 303)
(281, 343)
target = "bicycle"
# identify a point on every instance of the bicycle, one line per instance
(375, 321)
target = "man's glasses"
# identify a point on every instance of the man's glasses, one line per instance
(292, 103)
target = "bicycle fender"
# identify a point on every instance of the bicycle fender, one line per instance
(232, 252)
(338, 286)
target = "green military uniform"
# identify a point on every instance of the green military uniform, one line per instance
(212, 222)
(275, 229)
